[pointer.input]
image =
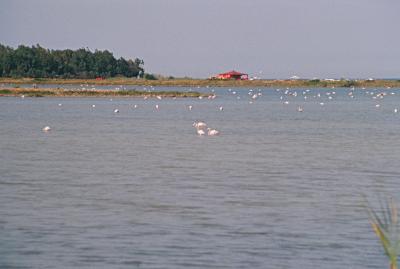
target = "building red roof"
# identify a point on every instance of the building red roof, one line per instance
(233, 73)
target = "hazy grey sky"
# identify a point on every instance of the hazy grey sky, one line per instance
(197, 38)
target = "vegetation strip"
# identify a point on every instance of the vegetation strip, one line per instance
(31, 92)
(315, 83)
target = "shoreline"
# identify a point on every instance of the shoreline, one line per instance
(315, 83)
(53, 92)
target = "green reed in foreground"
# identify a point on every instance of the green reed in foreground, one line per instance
(386, 226)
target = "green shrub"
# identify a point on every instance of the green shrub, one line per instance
(150, 76)
(5, 91)
(350, 83)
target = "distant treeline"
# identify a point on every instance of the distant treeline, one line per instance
(39, 62)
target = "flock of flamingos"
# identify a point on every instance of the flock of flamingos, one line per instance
(203, 130)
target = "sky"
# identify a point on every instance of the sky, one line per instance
(199, 38)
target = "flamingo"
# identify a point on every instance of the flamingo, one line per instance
(46, 129)
(199, 125)
(201, 132)
(212, 132)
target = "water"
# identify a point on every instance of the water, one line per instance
(139, 189)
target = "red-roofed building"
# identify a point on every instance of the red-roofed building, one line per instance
(232, 75)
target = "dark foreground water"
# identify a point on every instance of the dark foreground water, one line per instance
(139, 189)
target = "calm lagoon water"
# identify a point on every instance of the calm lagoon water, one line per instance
(140, 189)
